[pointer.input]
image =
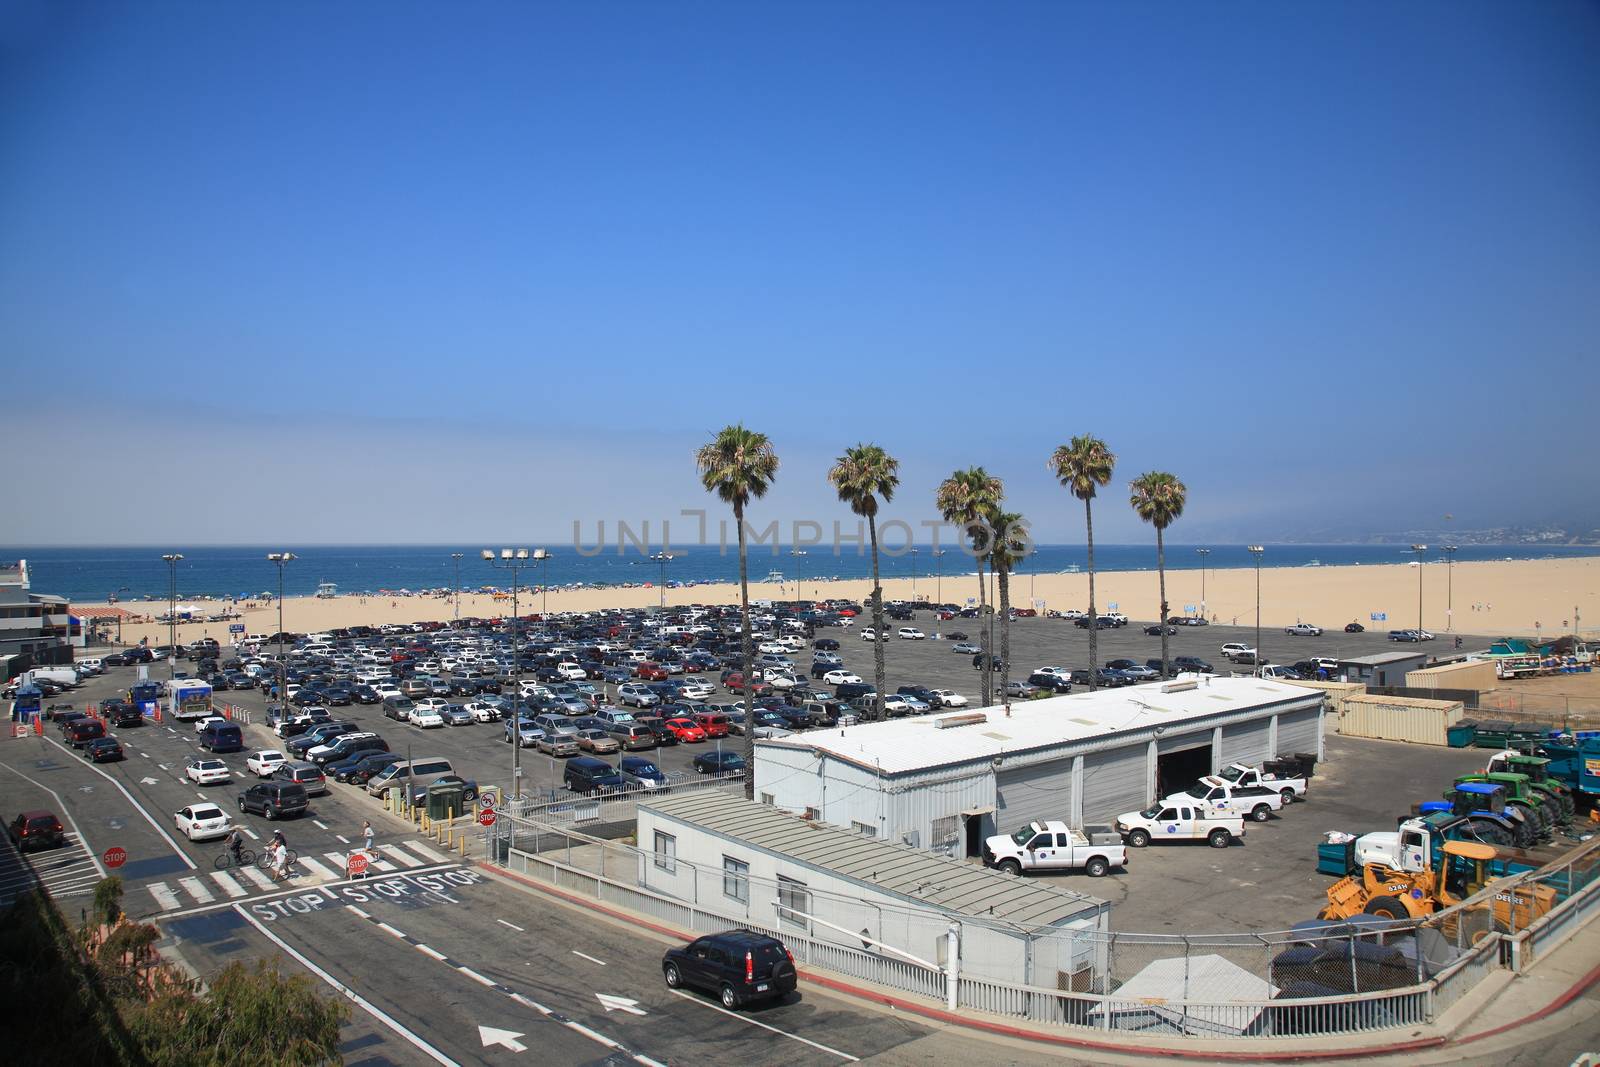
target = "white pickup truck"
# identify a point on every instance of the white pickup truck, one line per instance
(1054, 846)
(1225, 798)
(1290, 789)
(1179, 822)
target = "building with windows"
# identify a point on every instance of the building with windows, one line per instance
(749, 863)
(947, 781)
(35, 628)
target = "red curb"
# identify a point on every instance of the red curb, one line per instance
(928, 1011)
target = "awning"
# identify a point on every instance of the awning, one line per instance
(978, 811)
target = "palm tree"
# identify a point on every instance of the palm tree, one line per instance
(739, 465)
(1159, 497)
(965, 499)
(861, 476)
(1009, 548)
(1082, 466)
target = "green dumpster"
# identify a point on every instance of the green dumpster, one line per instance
(445, 801)
(1462, 733)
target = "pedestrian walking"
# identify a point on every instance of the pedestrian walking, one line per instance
(366, 835)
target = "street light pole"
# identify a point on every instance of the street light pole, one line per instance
(173, 559)
(282, 559)
(663, 558)
(544, 584)
(1256, 551)
(514, 560)
(913, 574)
(799, 557)
(1419, 550)
(1450, 587)
(1203, 553)
(938, 591)
(457, 557)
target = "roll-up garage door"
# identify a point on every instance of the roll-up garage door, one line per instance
(1247, 742)
(1033, 794)
(1165, 745)
(1300, 731)
(1115, 782)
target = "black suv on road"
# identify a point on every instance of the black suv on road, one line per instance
(739, 966)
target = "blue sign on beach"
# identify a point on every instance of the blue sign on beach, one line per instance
(1380, 616)
(236, 628)
(1111, 606)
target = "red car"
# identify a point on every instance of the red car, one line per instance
(686, 730)
(650, 672)
(712, 723)
(735, 684)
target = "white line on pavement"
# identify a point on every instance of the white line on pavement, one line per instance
(316, 869)
(319, 824)
(165, 897)
(358, 911)
(182, 855)
(404, 858)
(195, 888)
(588, 957)
(513, 926)
(366, 1005)
(427, 853)
(343, 840)
(258, 877)
(391, 930)
(251, 834)
(475, 976)
(229, 886)
(63, 805)
(764, 1026)
(435, 953)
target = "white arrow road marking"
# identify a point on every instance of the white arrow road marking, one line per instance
(86, 789)
(505, 1038)
(147, 781)
(613, 1003)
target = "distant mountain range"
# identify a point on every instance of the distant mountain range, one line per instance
(1544, 534)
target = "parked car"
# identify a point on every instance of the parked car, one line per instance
(597, 741)
(274, 800)
(1303, 629)
(1238, 652)
(641, 773)
(739, 966)
(265, 762)
(965, 648)
(37, 829)
(911, 633)
(1158, 629)
(304, 774)
(949, 698)
(1354, 628)
(587, 775)
(469, 789)
(1192, 663)
(202, 822)
(719, 762)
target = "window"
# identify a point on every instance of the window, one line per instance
(736, 879)
(792, 899)
(767, 799)
(1168, 814)
(814, 814)
(667, 852)
(945, 831)
(864, 829)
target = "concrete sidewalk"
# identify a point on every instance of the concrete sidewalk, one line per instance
(1549, 1015)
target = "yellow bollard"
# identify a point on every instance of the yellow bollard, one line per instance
(424, 822)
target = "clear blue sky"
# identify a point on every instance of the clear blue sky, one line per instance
(434, 272)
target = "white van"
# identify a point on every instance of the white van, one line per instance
(416, 772)
(64, 676)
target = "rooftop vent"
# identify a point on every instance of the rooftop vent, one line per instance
(1180, 687)
(969, 719)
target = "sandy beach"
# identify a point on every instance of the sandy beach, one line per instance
(1522, 598)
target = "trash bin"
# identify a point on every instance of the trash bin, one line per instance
(1462, 733)
(445, 800)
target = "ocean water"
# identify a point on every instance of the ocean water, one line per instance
(85, 574)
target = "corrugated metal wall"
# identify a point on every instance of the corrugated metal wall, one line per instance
(1115, 782)
(1040, 792)
(1300, 731)
(1422, 722)
(1247, 742)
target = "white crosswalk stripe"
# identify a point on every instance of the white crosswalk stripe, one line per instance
(403, 857)
(427, 853)
(228, 885)
(197, 889)
(166, 899)
(316, 870)
(257, 877)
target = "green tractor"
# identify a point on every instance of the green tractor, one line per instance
(1537, 768)
(1521, 796)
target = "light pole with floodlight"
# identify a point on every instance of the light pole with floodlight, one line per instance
(514, 560)
(1419, 550)
(282, 559)
(173, 559)
(1256, 551)
(665, 559)
(1203, 553)
(1449, 587)
(457, 557)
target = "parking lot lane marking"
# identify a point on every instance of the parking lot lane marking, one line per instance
(166, 899)
(402, 857)
(365, 1005)
(435, 953)
(315, 869)
(157, 827)
(66, 813)
(343, 840)
(319, 825)
(426, 853)
(389, 929)
(228, 885)
(513, 926)
(588, 957)
(251, 834)
(256, 876)
(475, 976)
(534, 1004)
(383, 865)
(195, 888)
(201, 795)
(754, 1022)
(146, 755)
(163, 766)
(358, 911)
(338, 859)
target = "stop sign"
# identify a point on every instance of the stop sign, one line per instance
(355, 864)
(115, 856)
(486, 817)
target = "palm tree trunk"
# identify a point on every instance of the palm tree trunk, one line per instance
(1161, 571)
(877, 623)
(747, 662)
(983, 638)
(1094, 617)
(1005, 634)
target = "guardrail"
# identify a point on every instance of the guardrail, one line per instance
(1451, 951)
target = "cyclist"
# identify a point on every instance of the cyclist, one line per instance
(280, 857)
(236, 845)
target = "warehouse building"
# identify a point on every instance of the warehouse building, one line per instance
(947, 781)
(1383, 668)
(749, 863)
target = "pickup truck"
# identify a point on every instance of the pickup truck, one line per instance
(1168, 821)
(1223, 797)
(1291, 789)
(1303, 629)
(1054, 846)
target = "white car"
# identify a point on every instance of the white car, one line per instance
(911, 633)
(780, 680)
(264, 763)
(1055, 672)
(1303, 629)
(571, 672)
(386, 691)
(869, 634)
(427, 718)
(776, 648)
(841, 678)
(202, 822)
(201, 724)
(949, 698)
(207, 772)
(483, 712)
(433, 704)
(1238, 650)
(792, 643)
(895, 704)
(697, 690)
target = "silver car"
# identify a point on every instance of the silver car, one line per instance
(562, 742)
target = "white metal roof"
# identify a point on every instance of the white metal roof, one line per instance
(918, 742)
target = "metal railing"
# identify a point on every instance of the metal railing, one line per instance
(1349, 979)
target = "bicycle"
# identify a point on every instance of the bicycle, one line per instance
(226, 860)
(264, 861)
